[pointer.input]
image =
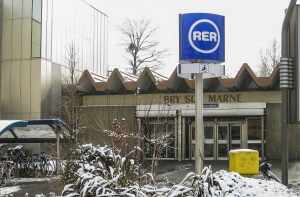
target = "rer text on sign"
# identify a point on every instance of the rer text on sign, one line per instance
(202, 37)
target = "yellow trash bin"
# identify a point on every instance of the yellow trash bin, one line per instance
(244, 161)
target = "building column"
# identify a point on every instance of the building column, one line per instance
(176, 135)
(179, 135)
(244, 137)
(183, 138)
(139, 133)
(262, 136)
(58, 131)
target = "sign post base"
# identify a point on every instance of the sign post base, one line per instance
(199, 135)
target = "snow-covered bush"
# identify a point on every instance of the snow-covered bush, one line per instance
(96, 167)
(101, 172)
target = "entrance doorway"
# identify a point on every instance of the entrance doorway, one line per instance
(220, 137)
(229, 137)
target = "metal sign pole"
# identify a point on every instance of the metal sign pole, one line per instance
(199, 133)
(201, 40)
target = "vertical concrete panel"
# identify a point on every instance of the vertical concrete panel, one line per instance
(17, 8)
(7, 9)
(272, 135)
(50, 89)
(25, 89)
(6, 49)
(15, 90)
(27, 8)
(5, 90)
(26, 38)
(44, 90)
(35, 90)
(56, 81)
(294, 145)
(16, 41)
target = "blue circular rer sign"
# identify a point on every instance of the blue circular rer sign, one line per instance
(202, 37)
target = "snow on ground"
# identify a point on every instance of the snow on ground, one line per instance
(234, 185)
(229, 185)
(32, 186)
(9, 190)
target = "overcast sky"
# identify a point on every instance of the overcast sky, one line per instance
(250, 25)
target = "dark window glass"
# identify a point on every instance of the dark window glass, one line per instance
(193, 133)
(222, 150)
(209, 132)
(223, 133)
(209, 150)
(36, 39)
(235, 132)
(160, 135)
(235, 146)
(37, 10)
(256, 147)
(254, 129)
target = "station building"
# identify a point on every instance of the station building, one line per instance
(35, 39)
(239, 112)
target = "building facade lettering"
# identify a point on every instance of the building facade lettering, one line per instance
(211, 98)
(224, 98)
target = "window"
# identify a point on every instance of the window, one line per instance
(255, 137)
(160, 137)
(36, 39)
(36, 28)
(254, 129)
(37, 10)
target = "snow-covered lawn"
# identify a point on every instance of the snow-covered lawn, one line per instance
(99, 171)
(234, 185)
(9, 190)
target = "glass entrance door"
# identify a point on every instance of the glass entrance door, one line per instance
(222, 141)
(192, 129)
(235, 135)
(220, 138)
(228, 138)
(209, 142)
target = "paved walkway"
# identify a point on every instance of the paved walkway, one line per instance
(33, 186)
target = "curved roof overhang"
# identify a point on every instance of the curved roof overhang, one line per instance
(56, 125)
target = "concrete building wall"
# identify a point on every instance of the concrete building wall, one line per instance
(95, 120)
(143, 99)
(273, 134)
(272, 116)
(34, 40)
(272, 131)
(20, 89)
(20, 73)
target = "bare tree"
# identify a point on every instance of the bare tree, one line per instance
(70, 98)
(141, 48)
(269, 59)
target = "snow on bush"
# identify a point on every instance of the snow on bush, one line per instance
(101, 172)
